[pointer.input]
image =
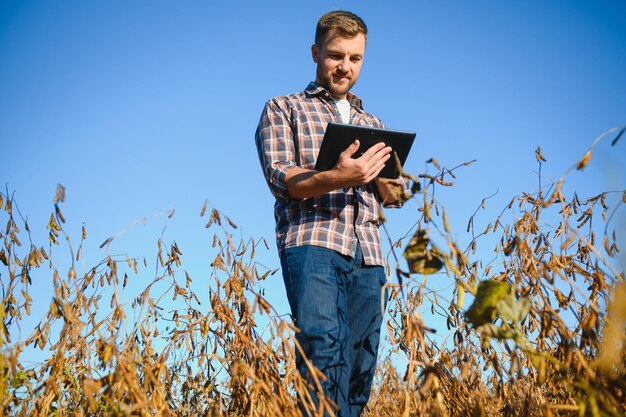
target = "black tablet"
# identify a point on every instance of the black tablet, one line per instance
(339, 136)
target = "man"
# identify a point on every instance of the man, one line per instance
(327, 223)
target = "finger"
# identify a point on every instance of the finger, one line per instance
(375, 173)
(377, 168)
(376, 153)
(351, 150)
(375, 149)
(381, 156)
(385, 151)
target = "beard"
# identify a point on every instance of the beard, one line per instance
(325, 80)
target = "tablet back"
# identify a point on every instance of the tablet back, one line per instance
(339, 136)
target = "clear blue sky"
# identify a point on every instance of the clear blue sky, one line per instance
(144, 106)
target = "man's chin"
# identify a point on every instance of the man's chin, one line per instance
(339, 90)
(336, 90)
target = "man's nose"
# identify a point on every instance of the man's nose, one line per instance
(344, 65)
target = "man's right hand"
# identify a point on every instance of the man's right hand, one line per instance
(365, 168)
(305, 183)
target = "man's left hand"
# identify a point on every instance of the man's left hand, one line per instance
(390, 191)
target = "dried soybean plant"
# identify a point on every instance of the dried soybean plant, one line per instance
(544, 334)
(537, 337)
(162, 351)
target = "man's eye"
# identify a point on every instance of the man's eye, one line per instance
(355, 59)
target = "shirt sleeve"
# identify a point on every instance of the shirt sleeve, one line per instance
(275, 146)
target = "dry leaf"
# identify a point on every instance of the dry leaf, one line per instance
(584, 160)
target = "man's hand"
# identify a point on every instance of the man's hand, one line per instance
(366, 167)
(390, 191)
(305, 183)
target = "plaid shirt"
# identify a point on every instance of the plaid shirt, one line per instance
(290, 134)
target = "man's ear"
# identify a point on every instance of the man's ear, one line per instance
(315, 53)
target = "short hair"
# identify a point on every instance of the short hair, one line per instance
(342, 23)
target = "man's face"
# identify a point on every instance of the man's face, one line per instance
(339, 63)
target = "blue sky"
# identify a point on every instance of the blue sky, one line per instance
(145, 106)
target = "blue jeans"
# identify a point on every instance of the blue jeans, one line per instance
(335, 301)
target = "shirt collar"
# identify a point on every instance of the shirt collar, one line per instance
(316, 91)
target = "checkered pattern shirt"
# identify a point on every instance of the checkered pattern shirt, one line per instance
(290, 134)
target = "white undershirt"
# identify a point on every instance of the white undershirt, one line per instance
(343, 106)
